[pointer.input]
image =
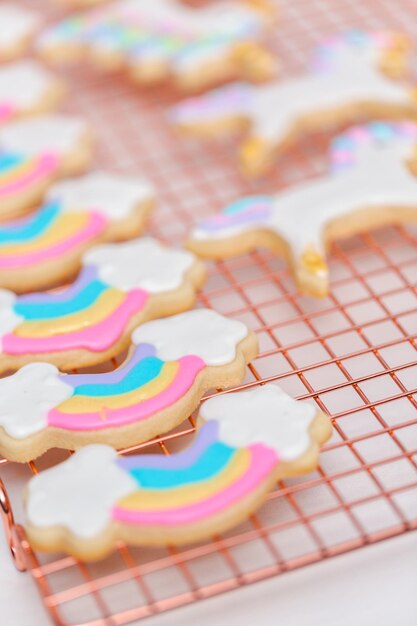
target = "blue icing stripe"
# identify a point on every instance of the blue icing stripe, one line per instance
(247, 203)
(31, 228)
(357, 37)
(8, 161)
(143, 372)
(211, 462)
(382, 130)
(50, 310)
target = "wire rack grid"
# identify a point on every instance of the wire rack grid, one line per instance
(353, 353)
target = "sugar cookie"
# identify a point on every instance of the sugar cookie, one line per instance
(172, 362)
(36, 151)
(245, 442)
(45, 248)
(26, 87)
(17, 26)
(168, 39)
(89, 322)
(354, 76)
(372, 183)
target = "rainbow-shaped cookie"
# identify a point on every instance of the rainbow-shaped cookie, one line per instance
(45, 248)
(120, 286)
(172, 362)
(33, 153)
(245, 442)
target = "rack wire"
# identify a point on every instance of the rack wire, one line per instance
(353, 353)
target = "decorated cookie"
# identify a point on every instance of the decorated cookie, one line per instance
(354, 76)
(245, 442)
(26, 87)
(173, 361)
(371, 182)
(89, 322)
(17, 26)
(33, 153)
(168, 39)
(45, 249)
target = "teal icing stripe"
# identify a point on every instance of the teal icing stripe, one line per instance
(8, 161)
(211, 462)
(32, 227)
(246, 203)
(143, 372)
(50, 310)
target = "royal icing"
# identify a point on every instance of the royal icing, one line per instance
(265, 414)
(76, 212)
(203, 332)
(243, 439)
(27, 396)
(159, 372)
(144, 264)
(88, 510)
(348, 73)
(16, 24)
(112, 195)
(93, 313)
(369, 171)
(47, 134)
(161, 31)
(23, 85)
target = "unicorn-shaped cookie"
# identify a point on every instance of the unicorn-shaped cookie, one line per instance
(172, 362)
(372, 182)
(120, 286)
(353, 76)
(36, 151)
(245, 442)
(26, 87)
(165, 39)
(45, 248)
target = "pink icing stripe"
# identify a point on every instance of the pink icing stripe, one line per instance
(96, 338)
(6, 111)
(94, 227)
(45, 165)
(262, 462)
(189, 366)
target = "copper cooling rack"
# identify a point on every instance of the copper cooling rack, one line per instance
(354, 354)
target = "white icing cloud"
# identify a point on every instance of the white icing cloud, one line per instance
(15, 23)
(27, 396)
(202, 333)
(23, 83)
(80, 493)
(142, 263)
(8, 318)
(265, 415)
(114, 196)
(46, 133)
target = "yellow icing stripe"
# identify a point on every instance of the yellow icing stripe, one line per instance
(105, 304)
(14, 174)
(87, 404)
(64, 227)
(160, 499)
